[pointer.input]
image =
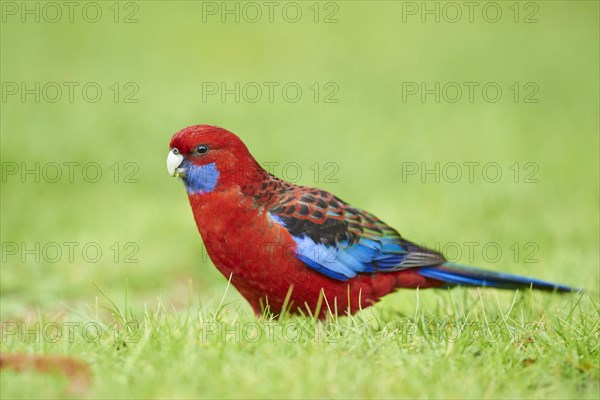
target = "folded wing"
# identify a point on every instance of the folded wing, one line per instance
(341, 241)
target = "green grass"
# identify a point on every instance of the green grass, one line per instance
(471, 344)
(443, 344)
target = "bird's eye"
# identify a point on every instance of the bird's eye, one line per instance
(202, 149)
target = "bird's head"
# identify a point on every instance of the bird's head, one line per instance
(210, 158)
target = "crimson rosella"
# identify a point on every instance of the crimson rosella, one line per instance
(285, 245)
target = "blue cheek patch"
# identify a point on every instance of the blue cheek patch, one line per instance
(200, 179)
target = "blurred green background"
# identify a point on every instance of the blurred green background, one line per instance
(368, 53)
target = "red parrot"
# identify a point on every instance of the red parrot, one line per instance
(285, 245)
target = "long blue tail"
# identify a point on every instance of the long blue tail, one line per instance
(456, 274)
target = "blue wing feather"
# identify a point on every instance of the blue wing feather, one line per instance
(344, 241)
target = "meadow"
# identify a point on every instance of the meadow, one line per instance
(474, 131)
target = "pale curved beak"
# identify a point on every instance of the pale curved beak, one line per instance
(174, 160)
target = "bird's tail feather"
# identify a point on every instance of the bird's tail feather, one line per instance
(455, 274)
